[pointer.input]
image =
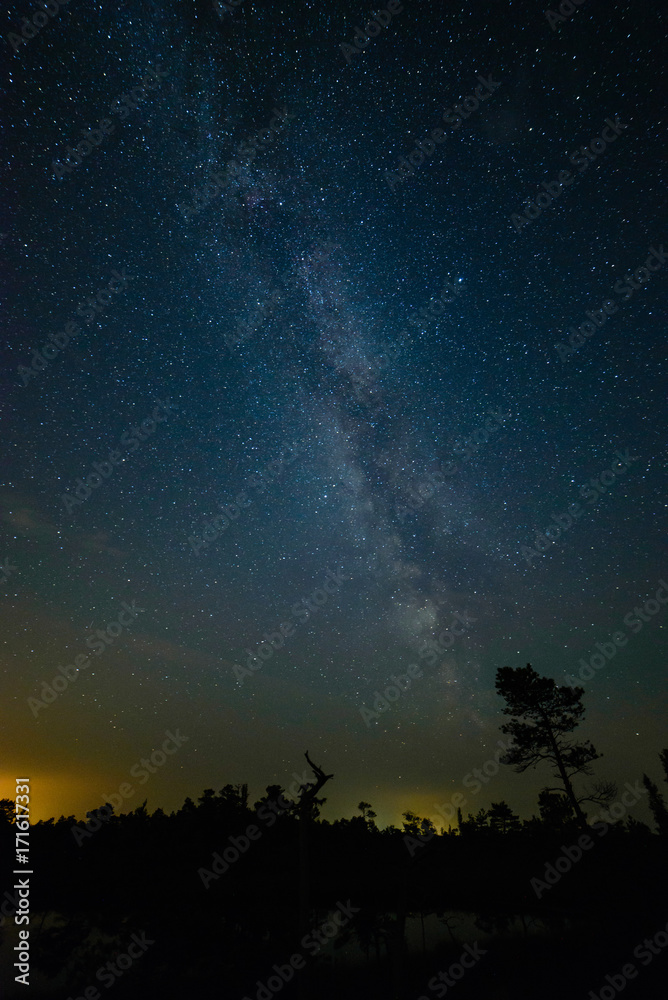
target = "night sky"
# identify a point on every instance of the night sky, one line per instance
(221, 395)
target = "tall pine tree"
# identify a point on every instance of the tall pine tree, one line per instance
(543, 715)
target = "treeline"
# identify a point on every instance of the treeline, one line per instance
(226, 891)
(216, 884)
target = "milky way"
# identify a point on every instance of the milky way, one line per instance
(400, 337)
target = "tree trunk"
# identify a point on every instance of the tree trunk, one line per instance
(568, 788)
(308, 794)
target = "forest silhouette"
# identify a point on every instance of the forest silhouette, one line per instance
(224, 898)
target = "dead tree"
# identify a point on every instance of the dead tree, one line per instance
(305, 808)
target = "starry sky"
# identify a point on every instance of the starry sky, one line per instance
(331, 365)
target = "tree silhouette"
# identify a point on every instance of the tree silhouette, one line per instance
(7, 812)
(307, 812)
(663, 757)
(249, 900)
(543, 714)
(657, 805)
(368, 815)
(416, 826)
(503, 819)
(272, 798)
(473, 824)
(555, 809)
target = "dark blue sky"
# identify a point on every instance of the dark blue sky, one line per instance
(313, 423)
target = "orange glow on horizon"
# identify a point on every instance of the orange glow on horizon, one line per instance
(53, 795)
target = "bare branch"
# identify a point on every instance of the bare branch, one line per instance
(311, 790)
